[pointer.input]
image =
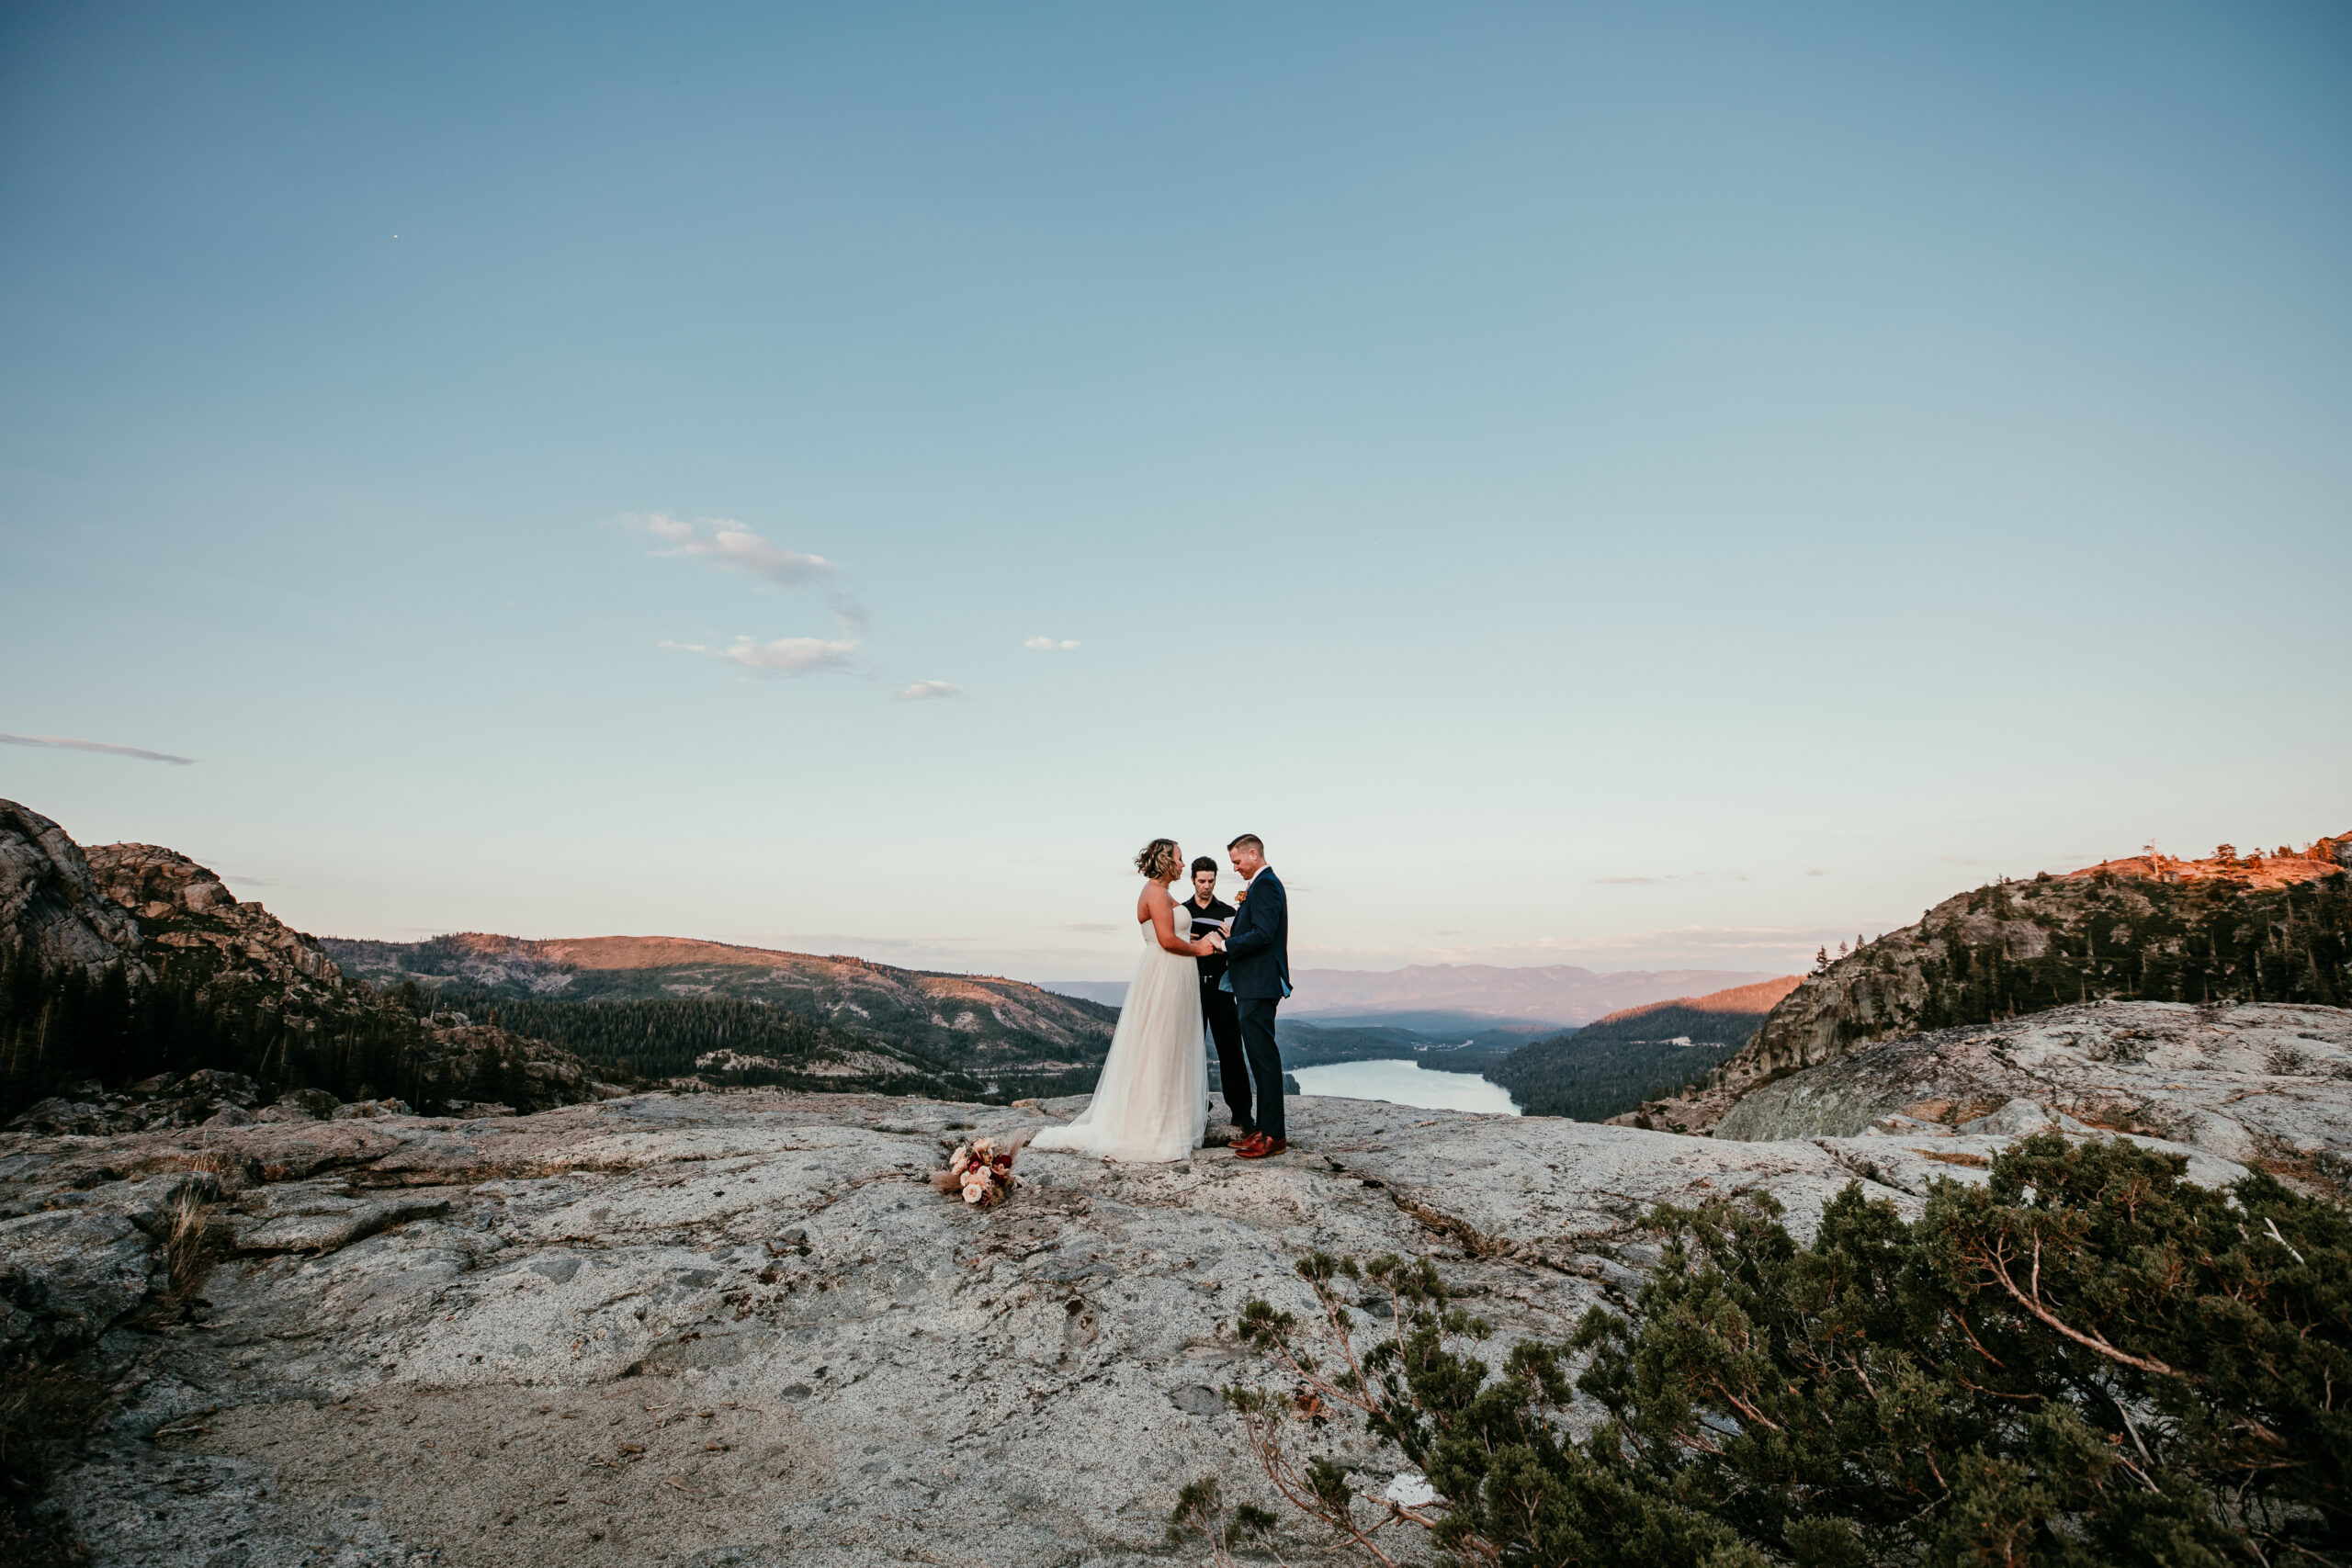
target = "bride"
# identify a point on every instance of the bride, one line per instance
(1151, 1102)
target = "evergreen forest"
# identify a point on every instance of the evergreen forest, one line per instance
(2204, 941)
(1667, 1020)
(1592, 1081)
(60, 1027)
(657, 1038)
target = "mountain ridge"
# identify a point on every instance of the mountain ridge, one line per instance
(1758, 999)
(678, 1007)
(1552, 995)
(1614, 1064)
(1557, 993)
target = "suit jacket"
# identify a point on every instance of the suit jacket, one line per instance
(1257, 955)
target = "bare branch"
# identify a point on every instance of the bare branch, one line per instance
(2088, 1341)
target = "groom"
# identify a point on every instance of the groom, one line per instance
(1257, 970)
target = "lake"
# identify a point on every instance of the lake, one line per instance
(1406, 1083)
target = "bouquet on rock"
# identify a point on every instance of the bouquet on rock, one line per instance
(981, 1170)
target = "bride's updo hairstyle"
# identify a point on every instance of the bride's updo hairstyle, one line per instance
(1159, 860)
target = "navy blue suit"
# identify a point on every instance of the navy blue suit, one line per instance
(1257, 966)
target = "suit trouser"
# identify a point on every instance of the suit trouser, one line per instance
(1232, 1065)
(1257, 1015)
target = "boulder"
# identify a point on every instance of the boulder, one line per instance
(303, 1105)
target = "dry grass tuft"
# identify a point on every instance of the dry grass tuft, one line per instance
(193, 1242)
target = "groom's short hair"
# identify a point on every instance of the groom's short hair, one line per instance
(1251, 839)
(1202, 864)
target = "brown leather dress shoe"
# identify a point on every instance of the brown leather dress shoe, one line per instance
(1262, 1147)
(1244, 1144)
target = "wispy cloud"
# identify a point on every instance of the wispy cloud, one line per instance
(926, 690)
(65, 743)
(1047, 645)
(784, 656)
(732, 546)
(249, 881)
(1816, 871)
(1629, 881)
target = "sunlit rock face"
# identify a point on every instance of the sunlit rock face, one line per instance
(745, 1329)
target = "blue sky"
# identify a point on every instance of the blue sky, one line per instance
(1640, 487)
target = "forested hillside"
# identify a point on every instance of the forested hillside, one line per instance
(678, 998)
(1592, 1081)
(1720, 1018)
(60, 1027)
(740, 1041)
(1613, 1064)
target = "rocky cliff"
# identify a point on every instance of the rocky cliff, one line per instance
(2230, 927)
(132, 964)
(50, 903)
(187, 919)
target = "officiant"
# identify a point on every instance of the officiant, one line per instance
(1216, 1007)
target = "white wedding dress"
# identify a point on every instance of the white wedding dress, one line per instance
(1151, 1102)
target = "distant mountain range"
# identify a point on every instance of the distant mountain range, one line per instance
(1555, 994)
(1469, 997)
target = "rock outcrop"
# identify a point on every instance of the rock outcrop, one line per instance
(743, 1328)
(2262, 1085)
(187, 914)
(2232, 928)
(215, 973)
(51, 903)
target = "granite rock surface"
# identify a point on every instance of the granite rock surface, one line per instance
(50, 900)
(742, 1328)
(2257, 1084)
